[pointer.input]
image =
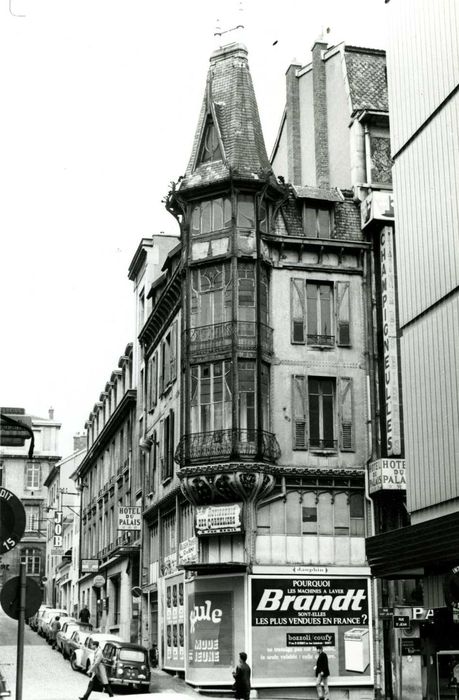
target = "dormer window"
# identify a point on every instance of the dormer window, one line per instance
(317, 221)
(210, 145)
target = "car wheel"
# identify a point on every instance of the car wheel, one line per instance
(73, 663)
(88, 666)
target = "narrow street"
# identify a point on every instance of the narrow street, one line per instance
(47, 676)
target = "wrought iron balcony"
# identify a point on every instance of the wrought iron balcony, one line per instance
(221, 336)
(227, 444)
(321, 340)
(322, 443)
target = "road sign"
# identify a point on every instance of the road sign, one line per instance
(12, 520)
(386, 613)
(99, 581)
(402, 621)
(9, 597)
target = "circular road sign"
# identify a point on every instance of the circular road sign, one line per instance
(12, 520)
(9, 597)
(98, 581)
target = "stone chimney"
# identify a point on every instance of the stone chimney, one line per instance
(51, 413)
(79, 442)
(320, 114)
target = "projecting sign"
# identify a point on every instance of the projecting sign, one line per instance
(389, 318)
(219, 519)
(378, 206)
(188, 550)
(387, 475)
(129, 518)
(12, 520)
(57, 537)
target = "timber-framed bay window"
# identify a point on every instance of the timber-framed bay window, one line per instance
(211, 392)
(211, 215)
(320, 312)
(322, 412)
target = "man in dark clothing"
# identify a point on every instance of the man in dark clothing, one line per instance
(242, 678)
(85, 615)
(322, 673)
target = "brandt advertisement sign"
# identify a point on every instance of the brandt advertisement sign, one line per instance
(292, 615)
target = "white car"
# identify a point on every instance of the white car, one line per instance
(88, 649)
(67, 627)
(73, 648)
(46, 619)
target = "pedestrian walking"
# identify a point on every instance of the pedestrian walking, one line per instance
(54, 629)
(84, 615)
(98, 675)
(241, 676)
(322, 672)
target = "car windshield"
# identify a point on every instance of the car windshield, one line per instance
(132, 655)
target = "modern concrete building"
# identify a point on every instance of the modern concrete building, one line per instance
(26, 476)
(423, 73)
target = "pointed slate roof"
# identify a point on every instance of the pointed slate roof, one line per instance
(366, 73)
(230, 103)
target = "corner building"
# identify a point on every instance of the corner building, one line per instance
(262, 546)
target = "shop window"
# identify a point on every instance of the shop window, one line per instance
(317, 221)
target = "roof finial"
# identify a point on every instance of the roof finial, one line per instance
(235, 23)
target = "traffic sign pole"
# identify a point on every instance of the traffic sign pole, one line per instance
(21, 621)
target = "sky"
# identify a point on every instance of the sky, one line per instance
(99, 101)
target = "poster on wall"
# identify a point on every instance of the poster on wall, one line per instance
(210, 629)
(173, 615)
(292, 615)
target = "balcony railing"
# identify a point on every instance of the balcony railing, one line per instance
(321, 340)
(227, 444)
(322, 443)
(221, 336)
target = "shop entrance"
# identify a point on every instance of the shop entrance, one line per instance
(448, 674)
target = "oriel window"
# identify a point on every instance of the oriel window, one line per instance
(210, 145)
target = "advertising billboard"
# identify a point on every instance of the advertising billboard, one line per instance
(210, 629)
(291, 615)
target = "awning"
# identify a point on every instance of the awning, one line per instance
(432, 546)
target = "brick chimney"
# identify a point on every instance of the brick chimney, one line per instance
(319, 85)
(293, 125)
(79, 442)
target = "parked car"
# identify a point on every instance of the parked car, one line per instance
(87, 653)
(72, 648)
(46, 619)
(127, 664)
(33, 621)
(65, 631)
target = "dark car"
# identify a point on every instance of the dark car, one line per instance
(127, 664)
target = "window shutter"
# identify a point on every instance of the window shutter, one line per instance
(346, 414)
(343, 313)
(300, 424)
(297, 310)
(173, 355)
(161, 368)
(161, 447)
(170, 469)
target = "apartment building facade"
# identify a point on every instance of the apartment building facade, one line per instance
(26, 476)
(255, 413)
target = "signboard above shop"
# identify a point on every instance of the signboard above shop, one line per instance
(387, 475)
(219, 519)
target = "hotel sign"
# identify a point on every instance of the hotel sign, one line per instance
(378, 206)
(219, 519)
(389, 318)
(129, 518)
(387, 475)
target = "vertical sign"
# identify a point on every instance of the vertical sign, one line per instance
(57, 537)
(389, 316)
